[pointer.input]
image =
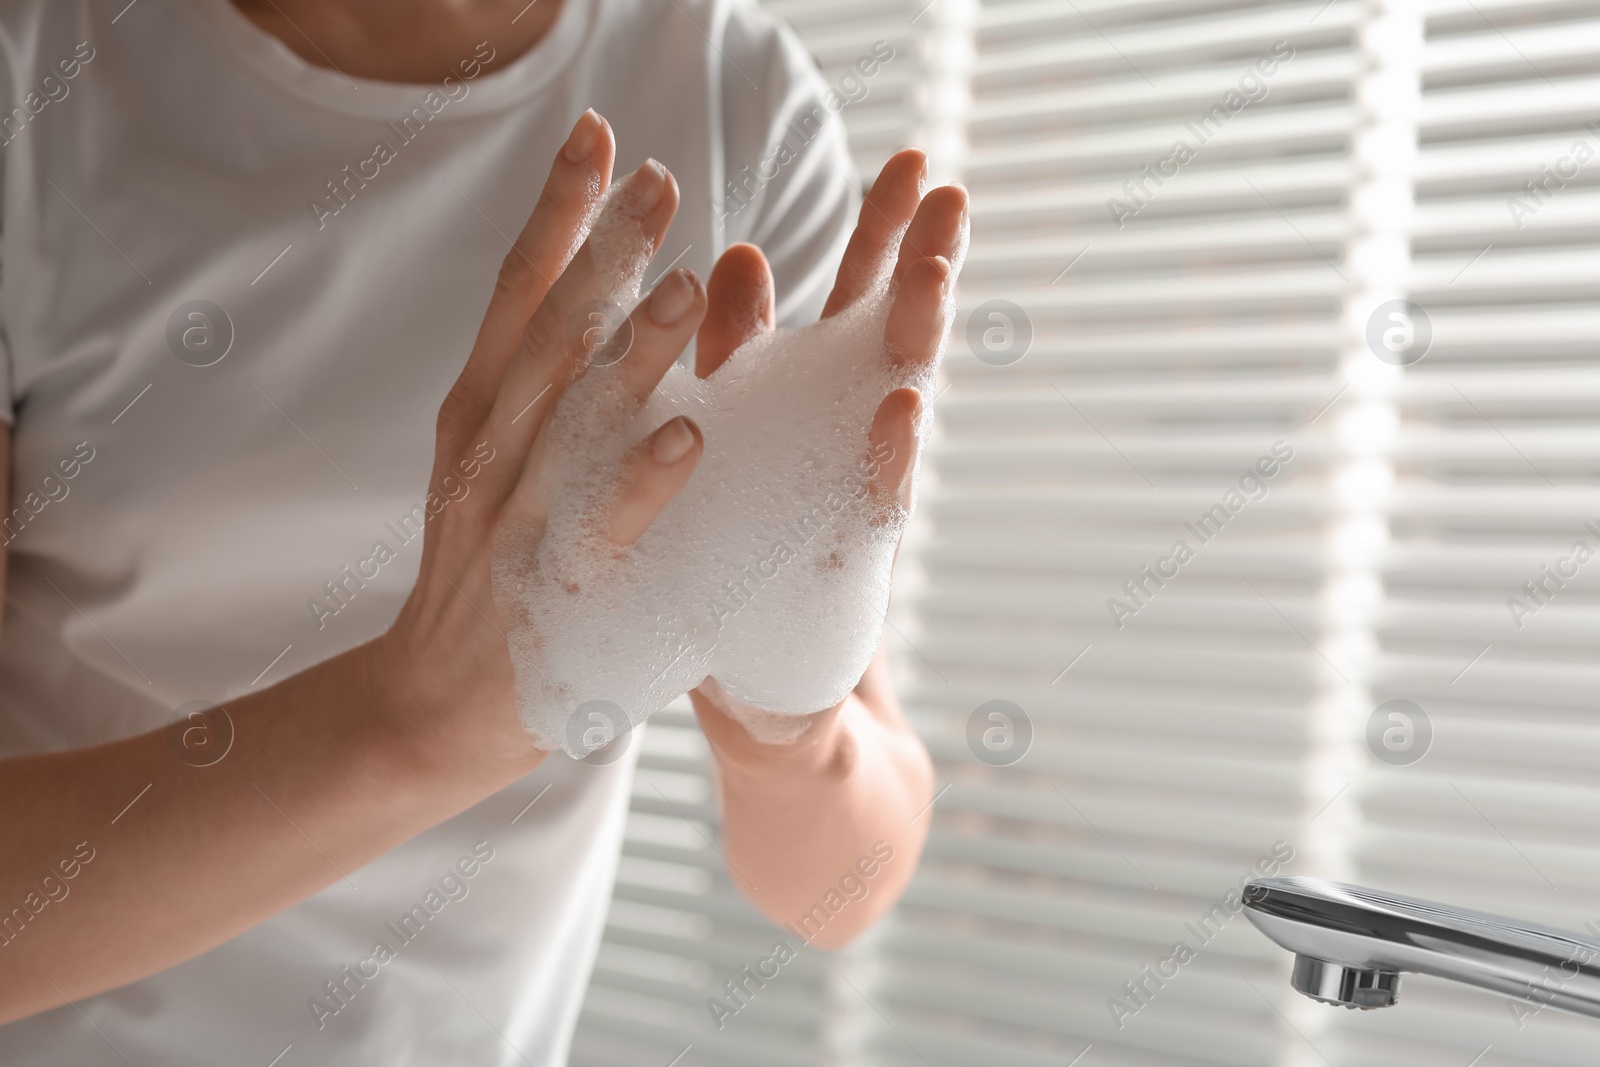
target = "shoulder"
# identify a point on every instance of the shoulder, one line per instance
(777, 163)
(754, 37)
(787, 173)
(733, 43)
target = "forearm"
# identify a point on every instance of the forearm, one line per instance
(317, 783)
(850, 800)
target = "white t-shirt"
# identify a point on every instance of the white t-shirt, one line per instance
(168, 152)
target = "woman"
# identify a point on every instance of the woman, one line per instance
(247, 251)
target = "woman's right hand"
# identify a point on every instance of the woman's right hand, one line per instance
(444, 669)
(336, 765)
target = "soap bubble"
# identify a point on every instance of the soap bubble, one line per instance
(999, 733)
(770, 571)
(200, 333)
(1399, 733)
(200, 733)
(999, 332)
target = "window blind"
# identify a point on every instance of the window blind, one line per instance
(1143, 333)
(1494, 460)
(1182, 326)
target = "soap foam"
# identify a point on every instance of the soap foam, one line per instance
(770, 571)
(767, 727)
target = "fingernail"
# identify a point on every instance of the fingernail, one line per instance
(672, 442)
(916, 410)
(942, 265)
(652, 179)
(584, 137)
(673, 297)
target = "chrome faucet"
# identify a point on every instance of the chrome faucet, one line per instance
(1350, 945)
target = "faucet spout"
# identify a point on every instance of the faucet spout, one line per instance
(1351, 945)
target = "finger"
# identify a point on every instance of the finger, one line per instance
(579, 178)
(660, 327)
(918, 317)
(892, 442)
(653, 473)
(653, 346)
(939, 229)
(741, 306)
(888, 206)
(548, 358)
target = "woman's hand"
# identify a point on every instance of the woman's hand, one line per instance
(798, 815)
(338, 764)
(446, 661)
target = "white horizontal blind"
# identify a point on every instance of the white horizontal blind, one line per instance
(677, 928)
(1495, 461)
(1167, 356)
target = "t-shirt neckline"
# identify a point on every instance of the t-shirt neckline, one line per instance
(496, 88)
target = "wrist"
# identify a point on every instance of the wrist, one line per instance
(773, 750)
(430, 731)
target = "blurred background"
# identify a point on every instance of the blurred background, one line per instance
(1127, 347)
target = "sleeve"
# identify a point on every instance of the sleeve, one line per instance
(7, 397)
(7, 393)
(8, 95)
(789, 184)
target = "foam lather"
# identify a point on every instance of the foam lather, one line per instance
(770, 570)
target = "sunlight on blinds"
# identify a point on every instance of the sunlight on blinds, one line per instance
(1267, 424)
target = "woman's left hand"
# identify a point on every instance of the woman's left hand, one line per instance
(799, 817)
